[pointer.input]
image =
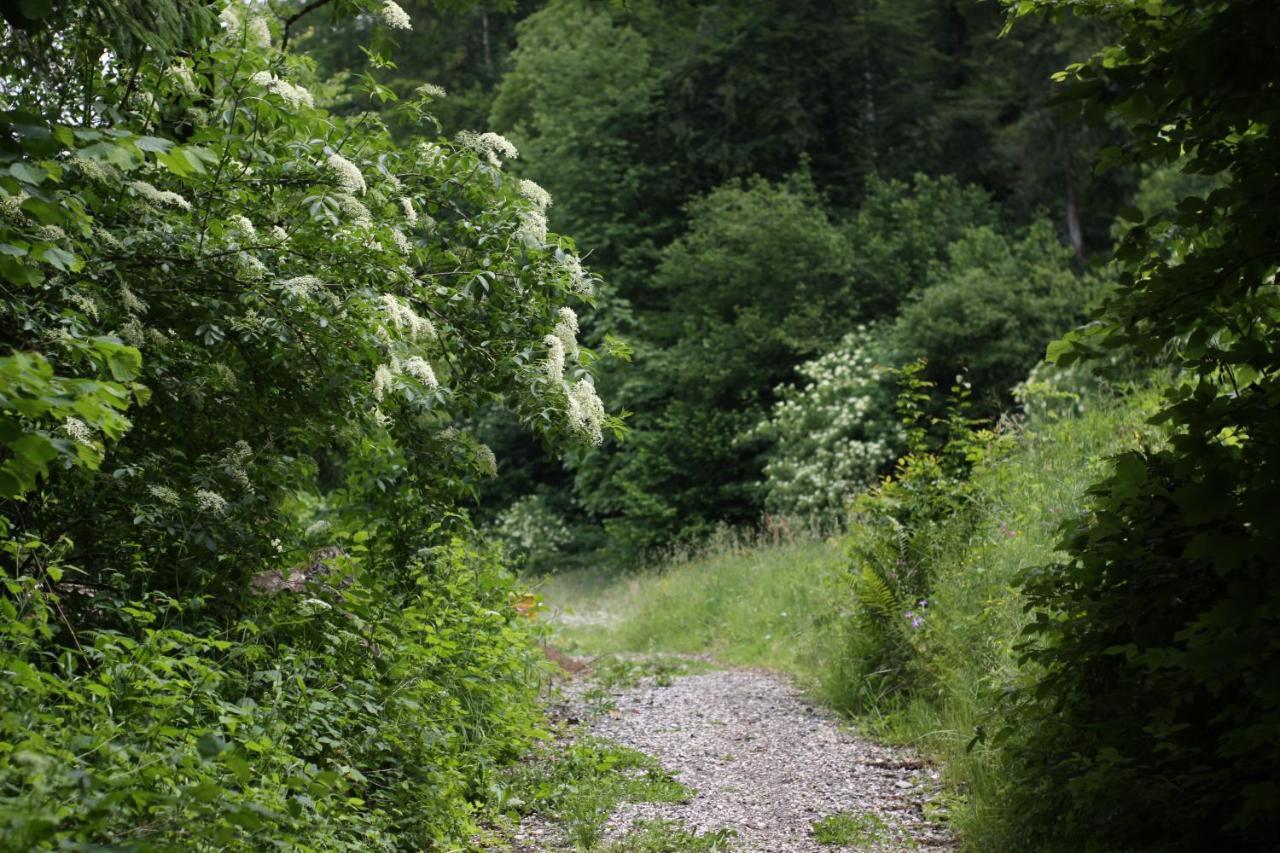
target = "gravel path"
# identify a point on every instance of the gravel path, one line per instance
(765, 763)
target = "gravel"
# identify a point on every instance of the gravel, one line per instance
(764, 762)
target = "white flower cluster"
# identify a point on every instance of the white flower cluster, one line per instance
(493, 147)
(554, 365)
(533, 226)
(255, 28)
(243, 225)
(586, 411)
(302, 286)
(180, 73)
(405, 319)
(533, 530)
(78, 431)
(395, 17)
(566, 330)
(420, 369)
(130, 301)
(579, 281)
(834, 435)
(348, 175)
(431, 90)
(159, 197)
(535, 194)
(165, 495)
(410, 212)
(210, 502)
(486, 461)
(354, 210)
(294, 96)
(429, 154)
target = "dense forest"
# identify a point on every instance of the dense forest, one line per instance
(331, 326)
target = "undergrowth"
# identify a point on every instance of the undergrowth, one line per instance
(928, 666)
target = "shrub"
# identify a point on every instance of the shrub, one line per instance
(832, 435)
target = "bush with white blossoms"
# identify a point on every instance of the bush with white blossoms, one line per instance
(835, 433)
(533, 531)
(226, 313)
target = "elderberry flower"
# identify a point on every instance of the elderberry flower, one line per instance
(349, 177)
(431, 90)
(410, 212)
(554, 365)
(535, 194)
(279, 233)
(586, 411)
(77, 430)
(395, 17)
(566, 330)
(383, 378)
(486, 461)
(354, 210)
(418, 368)
(579, 281)
(211, 502)
(130, 301)
(159, 197)
(402, 242)
(493, 147)
(181, 76)
(243, 225)
(302, 286)
(164, 494)
(533, 226)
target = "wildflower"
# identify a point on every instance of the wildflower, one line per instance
(51, 233)
(211, 502)
(77, 430)
(586, 411)
(317, 527)
(159, 197)
(486, 461)
(130, 301)
(395, 17)
(223, 375)
(916, 620)
(535, 194)
(294, 96)
(279, 233)
(406, 319)
(157, 337)
(383, 378)
(410, 212)
(348, 176)
(431, 90)
(164, 494)
(554, 365)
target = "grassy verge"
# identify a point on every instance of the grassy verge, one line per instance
(790, 605)
(744, 601)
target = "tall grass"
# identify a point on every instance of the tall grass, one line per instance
(746, 600)
(788, 605)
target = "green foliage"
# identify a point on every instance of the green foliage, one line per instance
(579, 784)
(253, 610)
(364, 716)
(990, 308)
(901, 231)
(1151, 716)
(666, 836)
(863, 830)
